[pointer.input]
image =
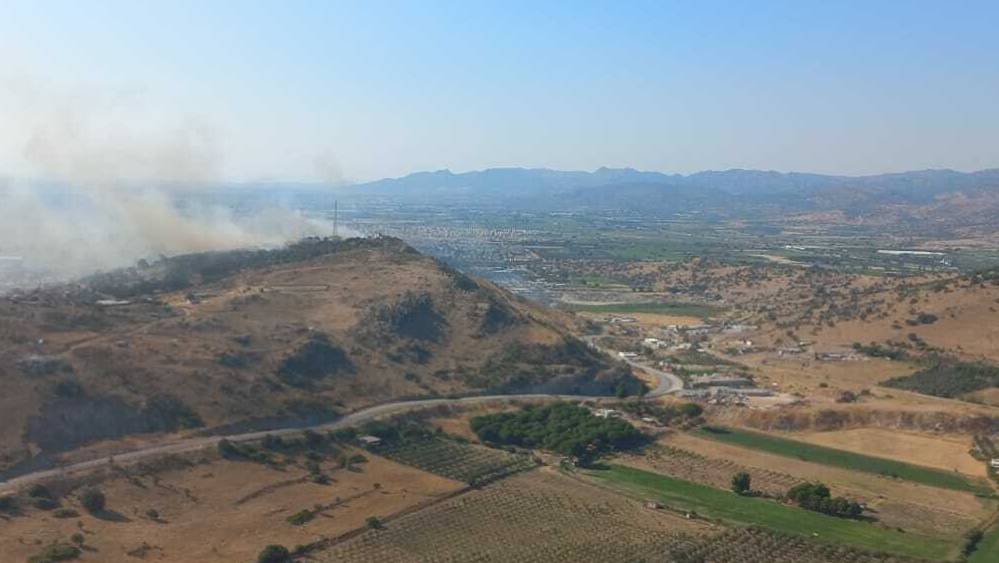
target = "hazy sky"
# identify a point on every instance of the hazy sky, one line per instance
(361, 90)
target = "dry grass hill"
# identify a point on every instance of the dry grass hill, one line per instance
(252, 339)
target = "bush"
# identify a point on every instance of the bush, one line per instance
(274, 554)
(45, 503)
(65, 513)
(301, 517)
(56, 552)
(93, 500)
(971, 541)
(374, 523)
(39, 491)
(272, 442)
(741, 483)
(229, 450)
(312, 439)
(926, 318)
(8, 504)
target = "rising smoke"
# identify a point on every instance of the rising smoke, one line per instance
(112, 182)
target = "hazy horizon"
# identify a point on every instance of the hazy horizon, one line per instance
(337, 92)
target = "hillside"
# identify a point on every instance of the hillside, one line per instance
(257, 339)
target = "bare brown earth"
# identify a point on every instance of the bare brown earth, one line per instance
(950, 452)
(393, 324)
(223, 511)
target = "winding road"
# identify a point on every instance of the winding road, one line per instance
(668, 383)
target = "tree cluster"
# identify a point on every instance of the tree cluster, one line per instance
(816, 497)
(561, 427)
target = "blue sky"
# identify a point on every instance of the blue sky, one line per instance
(361, 90)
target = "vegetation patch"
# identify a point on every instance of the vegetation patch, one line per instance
(948, 378)
(816, 497)
(845, 459)
(316, 359)
(663, 414)
(564, 428)
(414, 315)
(569, 367)
(716, 503)
(56, 552)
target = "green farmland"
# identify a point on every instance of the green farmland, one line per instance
(988, 548)
(846, 460)
(654, 307)
(724, 505)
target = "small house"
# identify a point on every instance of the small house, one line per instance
(369, 441)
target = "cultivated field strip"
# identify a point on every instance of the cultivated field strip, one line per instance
(691, 466)
(468, 463)
(535, 517)
(925, 517)
(754, 545)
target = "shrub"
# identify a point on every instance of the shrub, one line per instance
(272, 442)
(301, 517)
(65, 513)
(274, 554)
(39, 491)
(8, 503)
(971, 541)
(93, 500)
(56, 552)
(77, 538)
(741, 483)
(228, 450)
(67, 388)
(926, 318)
(45, 503)
(312, 439)
(374, 523)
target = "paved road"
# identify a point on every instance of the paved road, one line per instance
(195, 444)
(668, 383)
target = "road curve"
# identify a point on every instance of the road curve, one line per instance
(668, 383)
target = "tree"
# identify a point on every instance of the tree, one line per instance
(741, 482)
(274, 554)
(93, 500)
(375, 523)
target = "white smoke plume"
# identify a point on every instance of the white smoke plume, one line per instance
(106, 175)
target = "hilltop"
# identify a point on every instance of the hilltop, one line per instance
(263, 338)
